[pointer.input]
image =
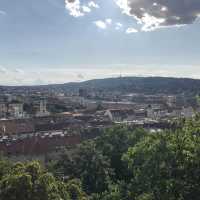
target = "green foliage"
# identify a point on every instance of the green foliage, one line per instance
(5, 166)
(74, 189)
(87, 164)
(146, 166)
(115, 142)
(166, 165)
(98, 163)
(30, 182)
(122, 164)
(17, 186)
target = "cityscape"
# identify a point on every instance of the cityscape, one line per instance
(38, 122)
(99, 100)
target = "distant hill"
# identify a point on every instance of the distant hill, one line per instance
(150, 85)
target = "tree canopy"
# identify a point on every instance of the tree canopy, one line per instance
(121, 164)
(30, 182)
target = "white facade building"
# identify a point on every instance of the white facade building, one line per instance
(42, 109)
(3, 110)
(15, 110)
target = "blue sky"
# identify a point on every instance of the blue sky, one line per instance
(56, 41)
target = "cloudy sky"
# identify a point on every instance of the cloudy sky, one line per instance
(57, 41)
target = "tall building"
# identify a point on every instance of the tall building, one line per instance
(43, 106)
(3, 110)
(42, 109)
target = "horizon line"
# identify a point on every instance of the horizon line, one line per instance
(93, 79)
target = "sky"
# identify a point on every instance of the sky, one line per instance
(59, 41)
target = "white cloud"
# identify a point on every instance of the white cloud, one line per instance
(19, 71)
(123, 4)
(86, 9)
(3, 70)
(150, 14)
(118, 26)
(92, 4)
(108, 21)
(100, 24)
(150, 22)
(74, 8)
(103, 24)
(77, 9)
(80, 76)
(154, 14)
(131, 30)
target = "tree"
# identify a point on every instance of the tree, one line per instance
(5, 166)
(114, 142)
(14, 187)
(31, 182)
(74, 189)
(166, 165)
(87, 164)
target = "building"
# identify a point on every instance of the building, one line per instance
(3, 110)
(171, 101)
(119, 115)
(150, 112)
(15, 110)
(188, 112)
(42, 109)
(140, 114)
